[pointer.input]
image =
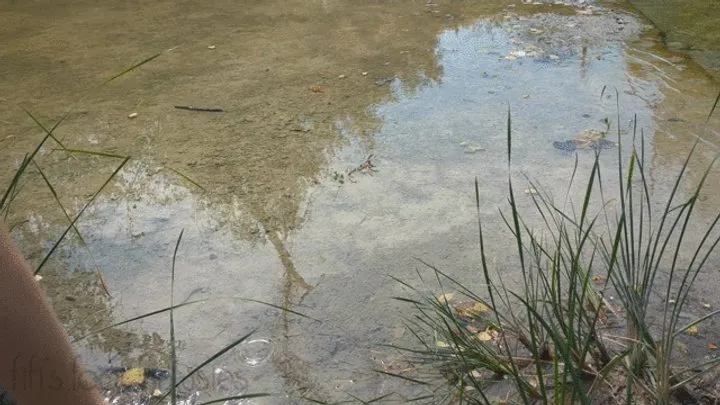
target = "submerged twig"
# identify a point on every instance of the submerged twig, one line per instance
(366, 166)
(201, 109)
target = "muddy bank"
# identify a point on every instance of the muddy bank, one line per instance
(688, 27)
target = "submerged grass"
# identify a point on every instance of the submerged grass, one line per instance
(549, 340)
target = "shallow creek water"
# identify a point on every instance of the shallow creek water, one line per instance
(265, 194)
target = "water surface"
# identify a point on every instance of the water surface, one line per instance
(263, 192)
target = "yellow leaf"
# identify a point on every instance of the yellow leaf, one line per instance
(471, 309)
(132, 377)
(692, 330)
(484, 336)
(712, 346)
(479, 308)
(445, 298)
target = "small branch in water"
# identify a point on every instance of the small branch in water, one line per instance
(191, 108)
(366, 166)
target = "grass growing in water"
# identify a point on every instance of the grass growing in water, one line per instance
(14, 188)
(548, 341)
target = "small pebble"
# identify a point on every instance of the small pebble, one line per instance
(38, 277)
(364, 73)
(341, 77)
(133, 115)
(211, 47)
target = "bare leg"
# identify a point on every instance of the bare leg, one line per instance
(37, 362)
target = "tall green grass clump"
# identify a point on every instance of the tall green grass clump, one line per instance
(549, 339)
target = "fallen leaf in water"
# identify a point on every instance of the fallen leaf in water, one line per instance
(471, 309)
(692, 330)
(132, 377)
(484, 336)
(474, 148)
(316, 89)
(682, 348)
(445, 298)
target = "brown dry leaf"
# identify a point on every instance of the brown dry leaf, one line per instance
(598, 279)
(712, 346)
(602, 316)
(132, 377)
(316, 89)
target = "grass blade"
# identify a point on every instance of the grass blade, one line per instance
(137, 318)
(77, 232)
(175, 383)
(712, 110)
(135, 66)
(234, 398)
(186, 177)
(173, 354)
(79, 214)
